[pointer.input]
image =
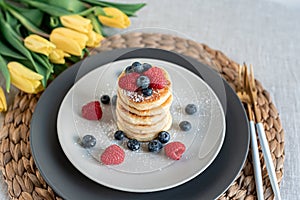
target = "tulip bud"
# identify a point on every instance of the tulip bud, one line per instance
(68, 40)
(24, 78)
(94, 39)
(116, 18)
(3, 104)
(76, 22)
(57, 56)
(38, 44)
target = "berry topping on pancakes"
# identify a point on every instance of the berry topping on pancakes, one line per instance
(157, 77)
(128, 82)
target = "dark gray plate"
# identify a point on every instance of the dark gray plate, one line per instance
(69, 183)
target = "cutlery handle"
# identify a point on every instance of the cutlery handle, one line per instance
(256, 162)
(268, 160)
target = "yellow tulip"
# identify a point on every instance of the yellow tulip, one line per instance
(77, 23)
(68, 40)
(57, 56)
(24, 78)
(3, 104)
(39, 44)
(94, 39)
(115, 18)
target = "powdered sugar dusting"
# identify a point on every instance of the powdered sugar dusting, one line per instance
(135, 96)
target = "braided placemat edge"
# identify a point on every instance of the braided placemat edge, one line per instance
(23, 178)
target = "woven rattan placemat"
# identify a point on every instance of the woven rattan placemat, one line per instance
(25, 181)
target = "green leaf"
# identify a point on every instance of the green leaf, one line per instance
(45, 67)
(99, 11)
(14, 40)
(5, 72)
(128, 9)
(87, 11)
(55, 22)
(6, 51)
(96, 24)
(96, 10)
(43, 60)
(73, 59)
(73, 6)
(59, 69)
(86, 52)
(49, 9)
(35, 15)
(11, 20)
(26, 23)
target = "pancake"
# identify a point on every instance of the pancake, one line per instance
(148, 112)
(142, 136)
(137, 101)
(143, 128)
(137, 119)
(143, 117)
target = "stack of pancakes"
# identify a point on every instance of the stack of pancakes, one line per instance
(141, 117)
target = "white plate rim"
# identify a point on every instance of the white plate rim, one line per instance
(150, 189)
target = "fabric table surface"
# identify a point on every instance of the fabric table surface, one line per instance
(264, 33)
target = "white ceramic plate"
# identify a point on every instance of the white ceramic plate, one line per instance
(141, 171)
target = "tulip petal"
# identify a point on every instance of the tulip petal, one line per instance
(57, 56)
(115, 18)
(20, 70)
(79, 38)
(66, 44)
(3, 104)
(76, 22)
(5, 72)
(39, 44)
(26, 85)
(94, 39)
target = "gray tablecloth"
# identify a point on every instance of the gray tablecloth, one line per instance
(265, 33)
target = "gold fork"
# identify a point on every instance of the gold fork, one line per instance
(262, 135)
(242, 86)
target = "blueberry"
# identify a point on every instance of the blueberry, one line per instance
(146, 66)
(155, 146)
(136, 64)
(114, 100)
(143, 82)
(133, 145)
(147, 92)
(105, 99)
(88, 141)
(129, 69)
(190, 109)
(164, 137)
(119, 135)
(185, 125)
(137, 67)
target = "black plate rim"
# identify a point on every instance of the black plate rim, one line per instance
(137, 52)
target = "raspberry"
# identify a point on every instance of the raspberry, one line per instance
(92, 111)
(112, 155)
(174, 150)
(128, 82)
(157, 78)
